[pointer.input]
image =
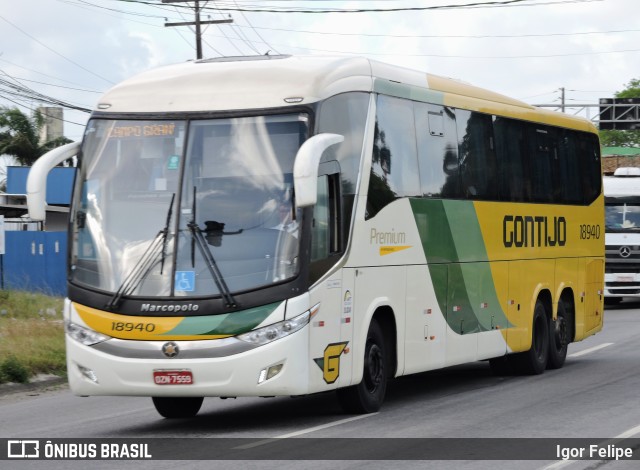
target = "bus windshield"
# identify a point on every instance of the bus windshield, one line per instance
(187, 208)
(622, 215)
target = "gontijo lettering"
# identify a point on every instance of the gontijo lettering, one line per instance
(533, 231)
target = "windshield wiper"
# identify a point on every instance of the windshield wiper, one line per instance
(147, 261)
(198, 239)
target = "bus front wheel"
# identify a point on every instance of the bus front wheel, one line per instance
(368, 395)
(178, 407)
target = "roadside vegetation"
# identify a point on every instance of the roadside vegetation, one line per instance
(31, 336)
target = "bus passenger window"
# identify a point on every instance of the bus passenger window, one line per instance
(543, 152)
(394, 166)
(437, 151)
(477, 155)
(511, 160)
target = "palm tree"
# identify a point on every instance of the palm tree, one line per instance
(19, 136)
(5, 161)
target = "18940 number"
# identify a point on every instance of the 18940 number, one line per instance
(588, 232)
(126, 326)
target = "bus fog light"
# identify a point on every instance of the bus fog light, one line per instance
(269, 373)
(88, 373)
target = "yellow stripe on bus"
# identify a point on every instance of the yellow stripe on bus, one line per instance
(136, 327)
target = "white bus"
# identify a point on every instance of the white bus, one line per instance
(280, 225)
(622, 239)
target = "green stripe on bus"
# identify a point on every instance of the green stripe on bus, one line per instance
(226, 324)
(410, 92)
(458, 264)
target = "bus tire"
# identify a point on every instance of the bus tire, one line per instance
(368, 395)
(534, 361)
(178, 407)
(559, 338)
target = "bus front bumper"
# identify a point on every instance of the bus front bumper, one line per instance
(92, 371)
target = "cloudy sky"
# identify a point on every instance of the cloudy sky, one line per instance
(73, 50)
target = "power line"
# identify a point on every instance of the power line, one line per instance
(372, 10)
(197, 23)
(53, 50)
(15, 88)
(445, 36)
(254, 30)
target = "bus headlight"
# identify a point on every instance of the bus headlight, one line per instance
(84, 335)
(276, 331)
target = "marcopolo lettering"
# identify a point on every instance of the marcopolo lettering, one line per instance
(169, 308)
(533, 231)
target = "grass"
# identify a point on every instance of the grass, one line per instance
(31, 336)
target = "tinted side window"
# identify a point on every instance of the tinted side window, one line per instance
(394, 167)
(437, 151)
(345, 114)
(542, 157)
(589, 154)
(511, 152)
(476, 154)
(570, 168)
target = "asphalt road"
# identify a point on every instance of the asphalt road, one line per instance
(595, 396)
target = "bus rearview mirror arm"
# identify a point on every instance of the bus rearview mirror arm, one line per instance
(305, 168)
(37, 179)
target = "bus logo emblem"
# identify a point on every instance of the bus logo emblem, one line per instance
(170, 349)
(625, 252)
(330, 363)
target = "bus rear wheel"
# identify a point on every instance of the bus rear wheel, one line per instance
(368, 395)
(559, 338)
(178, 407)
(534, 361)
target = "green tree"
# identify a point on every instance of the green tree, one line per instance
(19, 136)
(616, 138)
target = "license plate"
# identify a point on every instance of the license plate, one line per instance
(172, 377)
(624, 278)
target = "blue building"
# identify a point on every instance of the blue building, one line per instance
(35, 253)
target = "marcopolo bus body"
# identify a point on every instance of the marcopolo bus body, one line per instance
(289, 225)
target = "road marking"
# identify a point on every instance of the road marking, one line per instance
(629, 433)
(304, 431)
(590, 350)
(625, 435)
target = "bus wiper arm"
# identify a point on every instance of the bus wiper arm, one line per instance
(198, 239)
(217, 276)
(142, 268)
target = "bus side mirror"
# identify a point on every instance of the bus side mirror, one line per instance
(37, 179)
(305, 168)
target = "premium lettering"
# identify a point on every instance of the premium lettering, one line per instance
(533, 231)
(386, 238)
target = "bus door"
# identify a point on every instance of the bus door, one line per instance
(332, 328)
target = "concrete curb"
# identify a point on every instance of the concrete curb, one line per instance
(37, 383)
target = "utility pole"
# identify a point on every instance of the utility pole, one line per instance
(562, 99)
(197, 23)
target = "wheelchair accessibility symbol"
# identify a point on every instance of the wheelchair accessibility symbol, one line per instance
(185, 281)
